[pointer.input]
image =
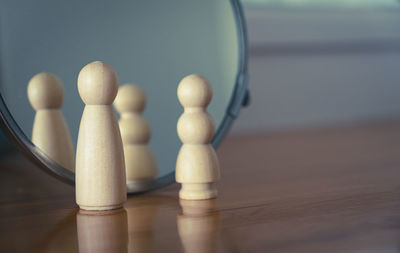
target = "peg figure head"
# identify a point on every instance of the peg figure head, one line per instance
(45, 91)
(130, 98)
(97, 84)
(194, 91)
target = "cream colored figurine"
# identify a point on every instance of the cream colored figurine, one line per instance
(100, 167)
(197, 167)
(50, 131)
(140, 163)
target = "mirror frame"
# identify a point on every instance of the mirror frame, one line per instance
(240, 97)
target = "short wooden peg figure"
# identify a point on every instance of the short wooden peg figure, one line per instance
(140, 163)
(50, 131)
(100, 166)
(197, 167)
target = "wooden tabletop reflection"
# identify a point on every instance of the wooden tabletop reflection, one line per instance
(327, 190)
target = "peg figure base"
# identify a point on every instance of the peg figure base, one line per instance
(100, 208)
(198, 191)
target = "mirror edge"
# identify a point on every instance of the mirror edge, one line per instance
(24, 144)
(46, 164)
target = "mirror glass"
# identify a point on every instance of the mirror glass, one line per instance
(152, 44)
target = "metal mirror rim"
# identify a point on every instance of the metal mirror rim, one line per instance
(239, 98)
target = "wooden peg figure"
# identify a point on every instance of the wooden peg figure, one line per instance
(100, 167)
(140, 163)
(197, 167)
(50, 131)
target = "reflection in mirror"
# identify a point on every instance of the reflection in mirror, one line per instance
(50, 131)
(151, 47)
(102, 231)
(199, 226)
(140, 163)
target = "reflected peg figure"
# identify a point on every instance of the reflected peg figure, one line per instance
(100, 167)
(199, 226)
(197, 167)
(50, 131)
(102, 232)
(140, 164)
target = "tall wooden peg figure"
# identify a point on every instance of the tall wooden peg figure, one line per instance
(100, 167)
(197, 167)
(140, 163)
(50, 131)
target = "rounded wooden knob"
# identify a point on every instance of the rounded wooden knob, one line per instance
(194, 91)
(130, 98)
(97, 84)
(45, 91)
(195, 128)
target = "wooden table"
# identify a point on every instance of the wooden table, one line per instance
(325, 190)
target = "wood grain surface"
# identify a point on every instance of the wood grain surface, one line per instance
(322, 190)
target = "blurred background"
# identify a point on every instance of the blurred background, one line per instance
(318, 63)
(152, 47)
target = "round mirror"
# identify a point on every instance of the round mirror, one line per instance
(152, 44)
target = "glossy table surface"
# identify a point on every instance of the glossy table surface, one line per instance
(322, 190)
